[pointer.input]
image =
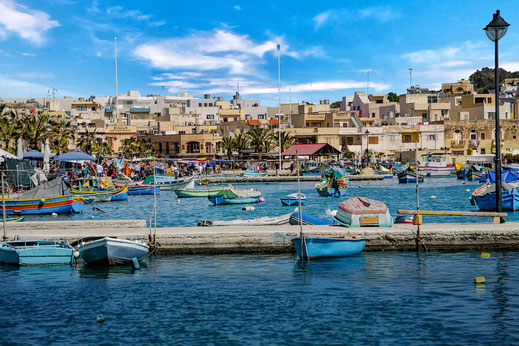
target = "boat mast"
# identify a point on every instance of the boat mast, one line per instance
(116, 85)
(3, 207)
(418, 220)
(155, 200)
(299, 199)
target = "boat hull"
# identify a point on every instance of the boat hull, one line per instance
(329, 192)
(121, 194)
(509, 201)
(111, 251)
(312, 248)
(436, 171)
(142, 189)
(197, 193)
(68, 204)
(408, 177)
(37, 252)
(222, 199)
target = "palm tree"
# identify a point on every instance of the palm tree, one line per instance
(11, 128)
(241, 143)
(287, 140)
(227, 144)
(86, 141)
(259, 137)
(101, 147)
(62, 135)
(36, 129)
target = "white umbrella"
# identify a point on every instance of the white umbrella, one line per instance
(46, 156)
(19, 148)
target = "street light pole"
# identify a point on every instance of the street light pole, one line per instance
(279, 108)
(495, 30)
(367, 147)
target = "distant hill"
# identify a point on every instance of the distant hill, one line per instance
(483, 79)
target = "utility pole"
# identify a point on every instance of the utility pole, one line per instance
(279, 107)
(116, 100)
(410, 77)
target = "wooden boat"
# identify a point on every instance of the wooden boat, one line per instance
(253, 173)
(121, 194)
(202, 192)
(35, 252)
(92, 195)
(47, 198)
(292, 199)
(112, 251)
(259, 221)
(474, 173)
(485, 197)
(335, 176)
(203, 182)
(409, 176)
(461, 171)
(141, 189)
(167, 182)
(232, 195)
(404, 219)
(313, 248)
(435, 165)
(361, 211)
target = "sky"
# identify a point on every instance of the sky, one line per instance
(328, 49)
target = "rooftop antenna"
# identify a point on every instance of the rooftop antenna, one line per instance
(410, 77)
(367, 84)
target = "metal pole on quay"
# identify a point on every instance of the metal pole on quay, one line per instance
(495, 30)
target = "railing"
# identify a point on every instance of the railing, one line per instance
(457, 143)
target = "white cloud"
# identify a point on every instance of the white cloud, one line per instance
(121, 12)
(204, 51)
(28, 54)
(379, 13)
(31, 25)
(320, 19)
(237, 7)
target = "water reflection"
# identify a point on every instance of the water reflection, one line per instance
(500, 295)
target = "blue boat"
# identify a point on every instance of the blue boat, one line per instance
(35, 252)
(112, 251)
(334, 182)
(121, 194)
(312, 248)
(292, 199)
(409, 176)
(167, 182)
(253, 173)
(231, 195)
(485, 197)
(141, 189)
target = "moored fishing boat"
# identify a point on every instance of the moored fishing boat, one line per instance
(141, 189)
(48, 198)
(409, 176)
(306, 219)
(292, 199)
(361, 211)
(112, 251)
(167, 182)
(435, 165)
(201, 192)
(232, 195)
(253, 173)
(334, 182)
(35, 252)
(121, 194)
(94, 195)
(311, 248)
(485, 197)
(259, 221)
(461, 171)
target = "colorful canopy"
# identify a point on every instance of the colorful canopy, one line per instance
(33, 154)
(76, 155)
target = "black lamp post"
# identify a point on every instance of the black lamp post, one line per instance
(495, 30)
(367, 147)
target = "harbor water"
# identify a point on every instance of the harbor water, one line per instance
(450, 193)
(373, 298)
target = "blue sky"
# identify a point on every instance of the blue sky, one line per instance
(210, 46)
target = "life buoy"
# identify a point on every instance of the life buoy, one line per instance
(120, 155)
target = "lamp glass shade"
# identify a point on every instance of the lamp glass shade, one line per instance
(497, 28)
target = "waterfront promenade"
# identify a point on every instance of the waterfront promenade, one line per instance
(277, 239)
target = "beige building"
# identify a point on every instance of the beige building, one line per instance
(476, 107)
(186, 145)
(462, 87)
(426, 106)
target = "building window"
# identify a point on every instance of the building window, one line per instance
(208, 147)
(491, 115)
(210, 116)
(81, 108)
(349, 140)
(424, 115)
(193, 147)
(373, 140)
(483, 151)
(473, 135)
(200, 105)
(261, 116)
(482, 135)
(432, 137)
(205, 104)
(406, 139)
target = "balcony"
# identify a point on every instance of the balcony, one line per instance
(473, 144)
(457, 144)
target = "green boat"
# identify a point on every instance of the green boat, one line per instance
(201, 192)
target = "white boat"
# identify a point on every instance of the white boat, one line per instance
(112, 251)
(436, 165)
(259, 221)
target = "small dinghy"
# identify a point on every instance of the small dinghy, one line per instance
(307, 219)
(361, 211)
(259, 221)
(404, 219)
(112, 251)
(292, 199)
(36, 252)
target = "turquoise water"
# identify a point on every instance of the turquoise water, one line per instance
(374, 298)
(451, 195)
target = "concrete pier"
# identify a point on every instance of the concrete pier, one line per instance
(277, 239)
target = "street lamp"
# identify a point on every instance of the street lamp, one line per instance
(367, 147)
(495, 30)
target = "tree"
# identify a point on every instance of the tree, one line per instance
(336, 104)
(258, 139)
(287, 140)
(101, 147)
(241, 143)
(392, 97)
(227, 144)
(36, 129)
(483, 79)
(86, 141)
(61, 136)
(11, 128)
